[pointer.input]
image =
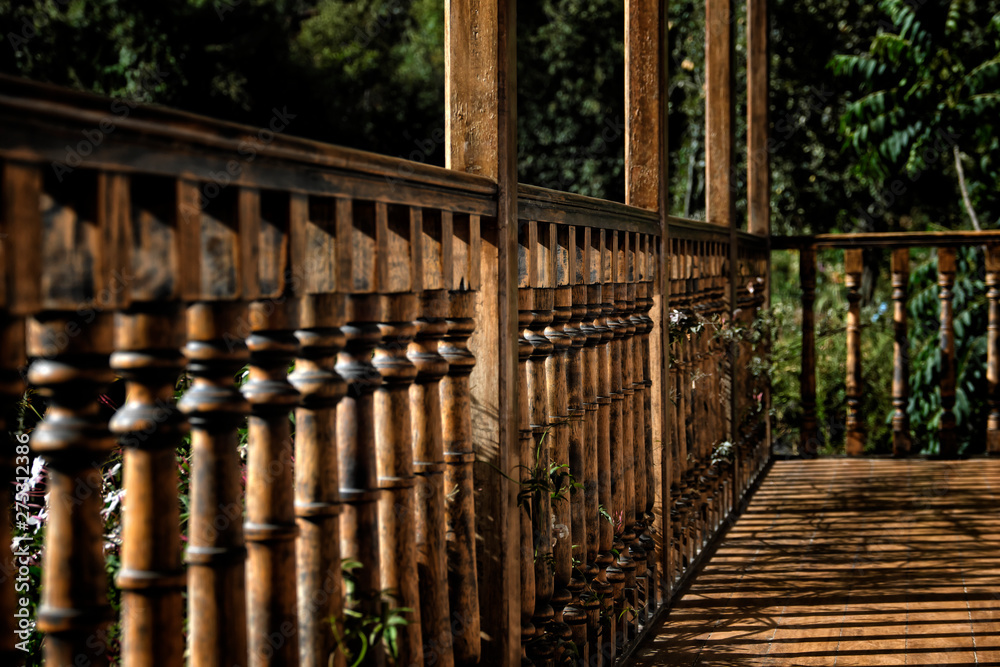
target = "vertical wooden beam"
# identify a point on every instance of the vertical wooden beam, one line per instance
(946, 336)
(646, 187)
(993, 347)
(720, 128)
(481, 132)
(901, 353)
(809, 435)
(758, 156)
(853, 267)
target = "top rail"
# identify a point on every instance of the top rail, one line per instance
(545, 205)
(886, 240)
(70, 129)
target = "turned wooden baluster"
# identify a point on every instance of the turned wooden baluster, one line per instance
(429, 467)
(14, 463)
(575, 615)
(594, 520)
(458, 481)
(525, 302)
(19, 292)
(627, 558)
(638, 546)
(317, 496)
(359, 527)
(148, 338)
(853, 267)
(809, 435)
(993, 347)
(541, 504)
(317, 480)
(901, 353)
(617, 574)
(946, 281)
(393, 442)
(270, 506)
(558, 436)
(602, 307)
(71, 340)
(649, 497)
(543, 646)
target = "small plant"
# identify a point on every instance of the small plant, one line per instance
(360, 633)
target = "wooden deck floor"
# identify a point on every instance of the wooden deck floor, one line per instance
(850, 562)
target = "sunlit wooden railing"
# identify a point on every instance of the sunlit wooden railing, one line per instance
(351, 288)
(899, 244)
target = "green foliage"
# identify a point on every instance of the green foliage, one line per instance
(361, 632)
(571, 87)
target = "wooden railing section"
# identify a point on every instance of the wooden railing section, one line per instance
(492, 423)
(899, 244)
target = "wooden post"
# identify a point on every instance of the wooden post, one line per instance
(853, 268)
(481, 133)
(946, 281)
(901, 354)
(646, 187)
(809, 436)
(993, 347)
(758, 155)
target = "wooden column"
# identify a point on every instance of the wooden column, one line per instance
(946, 281)
(646, 187)
(901, 354)
(853, 268)
(758, 154)
(993, 347)
(720, 128)
(809, 436)
(481, 133)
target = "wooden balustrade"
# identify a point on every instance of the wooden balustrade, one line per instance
(328, 312)
(945, 244)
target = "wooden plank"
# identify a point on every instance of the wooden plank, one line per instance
(758, 155)
(481, 132)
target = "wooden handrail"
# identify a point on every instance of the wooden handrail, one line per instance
(887, 240)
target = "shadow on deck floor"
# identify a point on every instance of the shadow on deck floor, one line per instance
(850, 562)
